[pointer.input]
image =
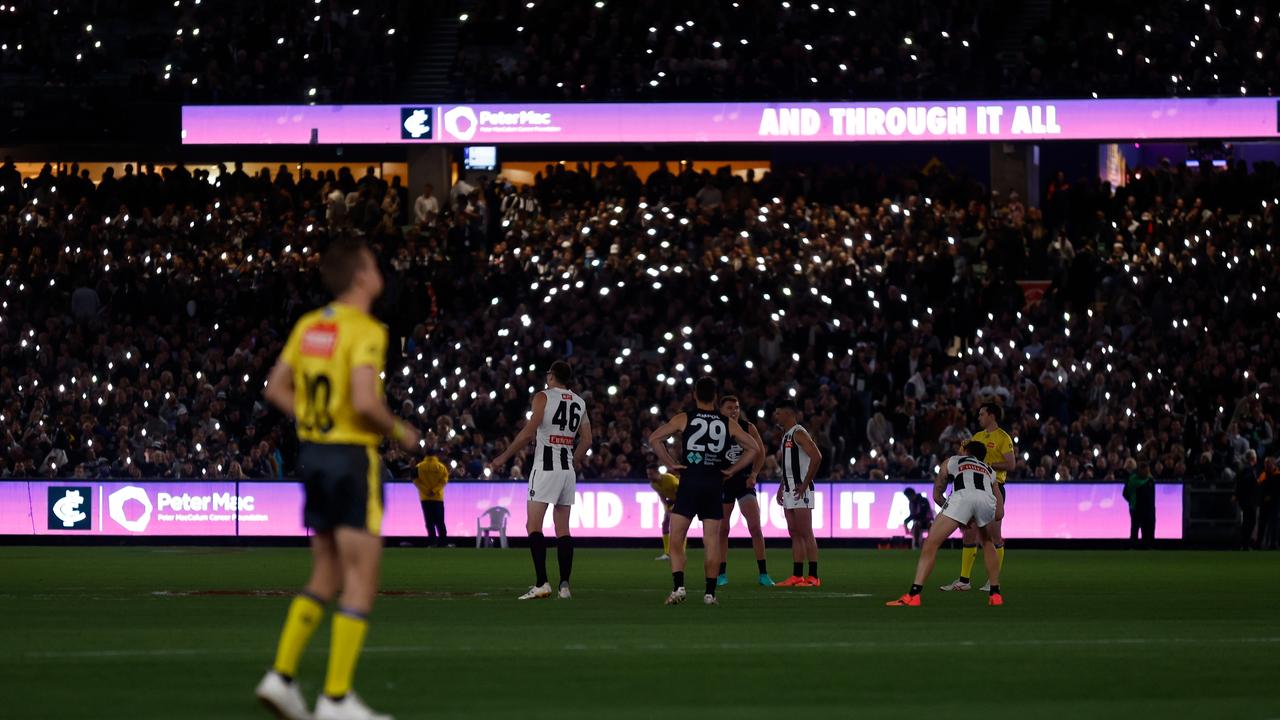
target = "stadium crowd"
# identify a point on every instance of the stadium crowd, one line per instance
(766, 50)
(139, 317)
(344, 51)
(746, 50)
(228, 51)
(1190, 49)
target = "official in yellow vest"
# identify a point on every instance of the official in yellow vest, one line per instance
(431, 478)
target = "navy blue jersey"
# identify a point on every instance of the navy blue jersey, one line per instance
(706, 441)
(735, 451)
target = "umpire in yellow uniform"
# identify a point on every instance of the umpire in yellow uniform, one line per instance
(328, 379)
(431, 478)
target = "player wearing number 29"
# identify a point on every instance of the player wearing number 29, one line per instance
(563, 431)
(328, 378)
(705, 465)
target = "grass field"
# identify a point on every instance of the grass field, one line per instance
(186, 632)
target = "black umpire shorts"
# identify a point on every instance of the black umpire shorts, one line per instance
(343, 485)
(735, 488)
(699, 495)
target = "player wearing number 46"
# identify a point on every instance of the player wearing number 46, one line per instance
(328, 380)
(559, 422)
(704, 466)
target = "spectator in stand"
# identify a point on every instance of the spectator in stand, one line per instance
(879, 430)
(426, 207)
(955, 434)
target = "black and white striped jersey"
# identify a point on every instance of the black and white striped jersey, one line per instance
(558, 431)
(794, 463)
(968, 472)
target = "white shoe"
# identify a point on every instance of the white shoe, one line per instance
(710, 600)
(677, 596)
(564, 591)
(537, 592)
(986, 588)
(957, 586)
(662, 557)
(282, 698)
(350, 707)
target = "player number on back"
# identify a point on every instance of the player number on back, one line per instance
(703, 428)
(317, 391)
(568, 416)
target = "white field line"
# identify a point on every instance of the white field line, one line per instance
(867, 645)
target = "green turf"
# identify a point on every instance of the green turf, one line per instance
(117, 633)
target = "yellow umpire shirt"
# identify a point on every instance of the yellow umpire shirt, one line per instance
(323, 349)
(998, 445)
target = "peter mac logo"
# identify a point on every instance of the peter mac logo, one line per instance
(70, 508)
(119, 511)
(415, 123)
(461, 123)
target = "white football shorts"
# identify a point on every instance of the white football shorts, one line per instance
(553, 487)
(970, 504)
(804, 502)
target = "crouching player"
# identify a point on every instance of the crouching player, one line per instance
(666, 485)
(974, 500)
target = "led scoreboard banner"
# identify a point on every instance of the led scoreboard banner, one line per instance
(745, 122)
(224, 508)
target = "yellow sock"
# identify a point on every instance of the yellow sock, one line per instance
(967, 558)
(302, 620)
(1000, 553)
(344, 650)
(666, 544)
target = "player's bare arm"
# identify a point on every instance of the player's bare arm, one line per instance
(372, 406)
(939, 487)
(750, 450)
(810, 448)
(584, 443)
(279, 390)
(526, 434)
(658, 440)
